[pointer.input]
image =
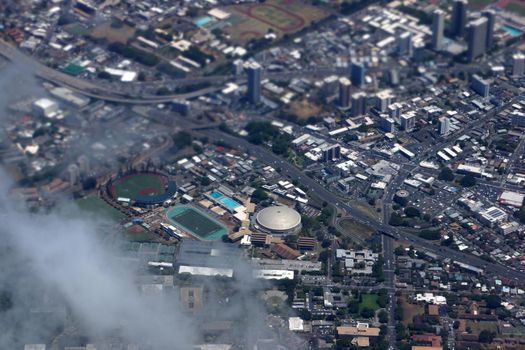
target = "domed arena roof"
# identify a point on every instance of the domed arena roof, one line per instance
(278, 218)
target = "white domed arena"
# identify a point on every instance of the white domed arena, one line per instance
(278, 220)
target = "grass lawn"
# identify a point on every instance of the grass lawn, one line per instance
(296, 159)
(134, 186)
(142, 237)
(175, 155)
(409, 311)
(479, 4)
(304, 109)
(113, 34)
(369, 301)
(365, 208)
(516, 8)
(252, 21)
(99, 207)
(477, 327)
(356, 228)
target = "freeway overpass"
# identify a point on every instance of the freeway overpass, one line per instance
(88, 88)
(122, 93)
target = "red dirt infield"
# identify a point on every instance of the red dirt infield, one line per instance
(148, 191)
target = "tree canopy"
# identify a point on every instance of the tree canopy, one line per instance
(446, 174)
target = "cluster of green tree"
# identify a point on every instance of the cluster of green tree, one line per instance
(412, 212)
(350, 6)
(382, 298)
(399, 251)
(326, 214)
(448, 242)
(190, 88)
(194, 54)
(147, 33)
(424, 18)
(364, 128)
(163, 91)
(257, 44)
(446, 174)
(104, 75)
(396, 220)
(506, 145)
(382, 316)
(305, 314)
(288, 286)
(486, 336)
(377, 269)
(89, 183)
(293, 118)
(402, 201)
(354, 306)
(401, 331)
(281, 144)
(309, 224)
(169, 69)
(431, 235)
(259, 195)
(135, 54)
(493, 301)
(349, 137)
(262, 131)
(182, 139)
(468, 181)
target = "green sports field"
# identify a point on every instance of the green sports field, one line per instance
(196, 223)
(99, 207)
(138, 185)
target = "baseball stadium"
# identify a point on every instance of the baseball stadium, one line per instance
(142, 189)
(196, 223)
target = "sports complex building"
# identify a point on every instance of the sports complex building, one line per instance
(278, 220)
(142, 189)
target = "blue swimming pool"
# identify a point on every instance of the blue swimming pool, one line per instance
(230, 203)
(216, 195)
(513, 31)
(202, 21)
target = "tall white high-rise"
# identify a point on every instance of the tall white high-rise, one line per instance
(477, 38)
(83, 164)
(405, 46)
(438, 27)
(407, 122)
(444, 125)
(73, 174)
(518, 64)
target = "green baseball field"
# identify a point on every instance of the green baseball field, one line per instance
(138, 185)
(196, 223)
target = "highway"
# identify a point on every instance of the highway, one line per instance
(317, 189)
(88, 88)
(389, 274)
(124, 93)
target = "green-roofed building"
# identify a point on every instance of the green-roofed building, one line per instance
(74, 69)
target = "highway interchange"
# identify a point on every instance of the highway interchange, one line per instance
(313, 187)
